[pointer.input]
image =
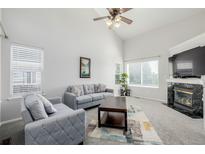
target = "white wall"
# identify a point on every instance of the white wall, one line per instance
(65, 35)
(158, 43)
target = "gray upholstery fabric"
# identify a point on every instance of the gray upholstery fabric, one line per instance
(106, 94)
(47, 105)
(25, 114)
(30, 98)
(70, 100)
(100, 88)
(96, 88)
(66, 126)
(97, 96)
(36, 109)
(77, 90)
(76, 102)
(61, 109)
(87, 105)
(62, 129)
(55, 100)
(109, 90)
(88, 89)
(83, 99)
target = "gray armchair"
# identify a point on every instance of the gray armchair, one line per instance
(66, 126)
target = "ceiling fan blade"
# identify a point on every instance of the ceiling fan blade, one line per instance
(110, 10)
(123, 10)
(100, 18)
(126, 20)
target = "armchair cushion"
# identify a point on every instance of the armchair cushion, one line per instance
(47, 104)
(36, 109)
(61, 109)
(55, 100)
(83, 99)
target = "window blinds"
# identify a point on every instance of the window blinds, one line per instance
(26, 68)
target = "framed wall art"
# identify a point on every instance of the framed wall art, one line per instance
(85, 64)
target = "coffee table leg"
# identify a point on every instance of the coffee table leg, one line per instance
(125, 121)
(99, 122)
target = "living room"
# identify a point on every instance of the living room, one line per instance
(102, 76)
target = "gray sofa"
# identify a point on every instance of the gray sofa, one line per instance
(85, 96)
(66, 126)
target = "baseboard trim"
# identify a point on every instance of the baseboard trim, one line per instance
(10, 121)
(152, 99)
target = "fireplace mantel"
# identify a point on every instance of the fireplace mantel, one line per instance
(188, 81)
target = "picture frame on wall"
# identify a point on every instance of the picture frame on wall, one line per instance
(85, 64)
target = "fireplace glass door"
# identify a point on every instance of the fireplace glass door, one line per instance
(183, 96)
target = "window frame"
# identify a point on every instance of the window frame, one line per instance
(118, 73)
(141, 62)
(11, 71)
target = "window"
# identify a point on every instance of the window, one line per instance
(118, 71)
(26, 69)
(143, 73)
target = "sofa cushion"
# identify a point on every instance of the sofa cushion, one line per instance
(99, 88)
(36, 108)
(77, 90)
(83, 99)
(47, 105)
(61, 109)
(97, 96)
(107, 94)
(88, 89)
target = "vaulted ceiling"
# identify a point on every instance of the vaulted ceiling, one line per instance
(148, 19)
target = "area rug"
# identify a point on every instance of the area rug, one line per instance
(140, 130)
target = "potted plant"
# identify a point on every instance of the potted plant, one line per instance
(124, 86)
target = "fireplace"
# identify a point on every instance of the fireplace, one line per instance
(183, 96)
(186, 97)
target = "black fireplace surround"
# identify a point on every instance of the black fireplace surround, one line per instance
(186, 97)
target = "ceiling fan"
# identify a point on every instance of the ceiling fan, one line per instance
(115, 18)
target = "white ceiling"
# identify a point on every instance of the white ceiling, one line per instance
(145, 20)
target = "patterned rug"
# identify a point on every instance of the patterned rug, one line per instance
(140, 130)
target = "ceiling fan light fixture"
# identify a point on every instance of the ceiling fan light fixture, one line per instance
(109, 22)
(117, 19)
(117, 24)
(114, 19)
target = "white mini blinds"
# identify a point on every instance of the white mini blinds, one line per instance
(26, 69)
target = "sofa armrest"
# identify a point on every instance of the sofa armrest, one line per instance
(68, 128)
(70, 100)
(109, 90)
(55, 100)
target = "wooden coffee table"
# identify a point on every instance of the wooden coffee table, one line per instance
(113, 113)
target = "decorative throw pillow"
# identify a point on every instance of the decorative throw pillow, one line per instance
(77, 90)
(96, 86)
(89, 89)
(36, 109)
(47, 105)
(100, 88)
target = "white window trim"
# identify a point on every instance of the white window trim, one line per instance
(142, 61)
(11, 76)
